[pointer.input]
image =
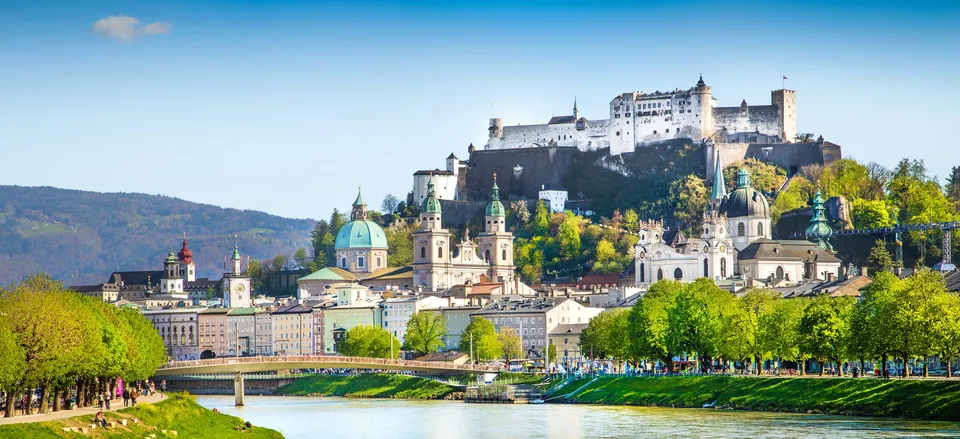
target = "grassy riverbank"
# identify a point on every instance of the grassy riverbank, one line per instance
(917, 399)
(368, 386)
(179, 413)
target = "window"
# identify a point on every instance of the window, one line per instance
(740, 229)
(378, 261)
(618, 133)
(678, 273)
(343, 262)
(723, 268)
(439, 252)
(423, 252)
(486, 255)
(760, 229)
(360, 261)
(642, 271)
(705, 266)
(779, 272)
(668, 130)
(503, 255)
(659, 274)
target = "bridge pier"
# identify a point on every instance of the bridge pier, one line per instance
(238, 389)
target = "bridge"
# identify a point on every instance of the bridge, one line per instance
(240, 365)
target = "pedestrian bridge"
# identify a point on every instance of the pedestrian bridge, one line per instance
(240, 365)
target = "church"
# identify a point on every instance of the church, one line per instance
(735, 243)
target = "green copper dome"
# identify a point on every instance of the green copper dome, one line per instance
(171, 258)
(430, 204)
(818, 230)
(236, 252)
(745, 201)
(361, 234)
(495, 207)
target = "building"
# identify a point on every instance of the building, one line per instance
(397, 312)
(292, 327)
(242, 332)
(355, 305)
(213, 330)
(237, 292)
(457, 318)
(535, 319)
(446, 181)
(361, 244)
(554, 195)
(178, 328)
(436, 266)
(264, 332)
(566, 337)
(638, 118)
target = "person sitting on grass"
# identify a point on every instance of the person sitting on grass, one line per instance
(100, 420)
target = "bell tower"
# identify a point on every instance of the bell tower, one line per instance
(236, 283)
(496, 243)
(431, 245)
(172, 281)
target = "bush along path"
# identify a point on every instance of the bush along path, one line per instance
(915, 399)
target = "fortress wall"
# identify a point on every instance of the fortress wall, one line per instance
(762, 118)
(540, 166)
(525, 136)
(456, 214)
(789, 156)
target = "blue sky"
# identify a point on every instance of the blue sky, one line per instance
(286, 106)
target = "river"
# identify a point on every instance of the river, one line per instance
(342, 418)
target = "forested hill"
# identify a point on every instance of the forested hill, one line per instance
(81, 237)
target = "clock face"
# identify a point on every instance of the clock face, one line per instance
(239, 288)
(723, 248)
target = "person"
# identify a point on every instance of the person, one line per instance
(106, 399)
(100, 401)
(100, 420)
(126, 396)
(134, 393)
(163, 386)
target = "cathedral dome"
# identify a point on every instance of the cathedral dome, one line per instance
(745, 201)
(361, 234)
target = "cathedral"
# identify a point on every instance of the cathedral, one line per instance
(437, 267)
(735, 242)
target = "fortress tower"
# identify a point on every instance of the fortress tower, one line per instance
(786, 103)
(702, 103)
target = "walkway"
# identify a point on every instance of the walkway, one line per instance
(89, 411)
(292, 362)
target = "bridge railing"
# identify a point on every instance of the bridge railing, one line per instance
(361, 362)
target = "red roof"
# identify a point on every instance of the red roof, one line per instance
(185, 255)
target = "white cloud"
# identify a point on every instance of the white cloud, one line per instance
(124, 28)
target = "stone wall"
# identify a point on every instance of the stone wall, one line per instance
(789, 156)
(456, 214)
(540, 166)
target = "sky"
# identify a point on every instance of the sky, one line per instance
(288, 106)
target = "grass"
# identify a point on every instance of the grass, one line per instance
(179, 412)
(368, 386)
(917, 399)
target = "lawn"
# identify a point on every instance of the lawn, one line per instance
(368, 386)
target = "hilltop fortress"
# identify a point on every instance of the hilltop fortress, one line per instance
(638, 118)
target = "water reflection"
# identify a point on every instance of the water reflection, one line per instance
(303, 417)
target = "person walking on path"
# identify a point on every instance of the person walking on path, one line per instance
(100, 401)
(163, 387)
(134, 393)
(126, 396)
(106, 399)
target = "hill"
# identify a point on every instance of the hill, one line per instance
(81, 237)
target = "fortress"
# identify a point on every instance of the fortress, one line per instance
(638, 118)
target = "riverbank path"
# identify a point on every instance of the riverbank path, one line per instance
(115, 405)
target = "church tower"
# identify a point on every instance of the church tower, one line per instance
(576, 112)
(496, 243)
(236, 284)
(431, 245)
(188, 267)
(172, 281)
(719, 186)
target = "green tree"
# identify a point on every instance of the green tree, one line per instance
(945, 328)
(257, 274)
(690, 194)
(607, 259)
(779, 329)
(12, 359)
(953, 184)
(425, 332)
(824, 327)
(804, 137)
(389, 204)
(870, 214)
(510, 344)
(648, 321)
(752, 308)
(570, 237)
(914, 314)
(400, 241)
(631, 221)
(301, 258)
(482, 336)
(541, 219)
(695, 322)
(765, 177)
(370, 341)
(879, 258)
(607, 335)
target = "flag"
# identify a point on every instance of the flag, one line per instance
(785, 77)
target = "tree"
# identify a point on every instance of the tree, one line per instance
(389, 204)
(541, 220)
(607, 335)
(606, 258)
(370, 341)
(765, 177)
(824, 326)
(425, 332)
(12, 359)
(879, 258)
(945, 329)
(804, 137)
(302, 259)
(648, 321)
(631, 221)
(953, 184)
(570, 237)
(747, 331)
(519, 209)
(510, 344)
(779, 331)
(482, 336)
(914, 314)
(690, 194)
(695, 321)
(400, 241)
(257, 274)
(870, 214)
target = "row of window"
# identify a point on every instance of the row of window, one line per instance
(741, 229)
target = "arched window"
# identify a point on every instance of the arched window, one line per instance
(760, 229)
(705, 268)
(423, 252)
(740, 229)
(503, 255)
(659, 274)
(678, 273)
(779, 272)
(486, 255)
(378, 261)
(439, 252)
(642, 271)
(723, 268)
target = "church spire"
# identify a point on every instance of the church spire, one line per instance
(818, 231)
(495, 207)
(430, 203)
(576, 112)
(359, 208)
(719, 187)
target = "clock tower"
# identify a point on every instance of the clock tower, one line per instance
(236, 284)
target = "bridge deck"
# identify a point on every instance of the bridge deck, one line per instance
(268, 364)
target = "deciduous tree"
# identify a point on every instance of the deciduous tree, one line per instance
(510, 344)
(481, 335)
(425, 332)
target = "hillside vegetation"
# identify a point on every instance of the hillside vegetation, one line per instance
(935, 400)
(81, 237)
(179, 413)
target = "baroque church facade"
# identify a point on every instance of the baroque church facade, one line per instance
(490, 259)
(735, 242)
